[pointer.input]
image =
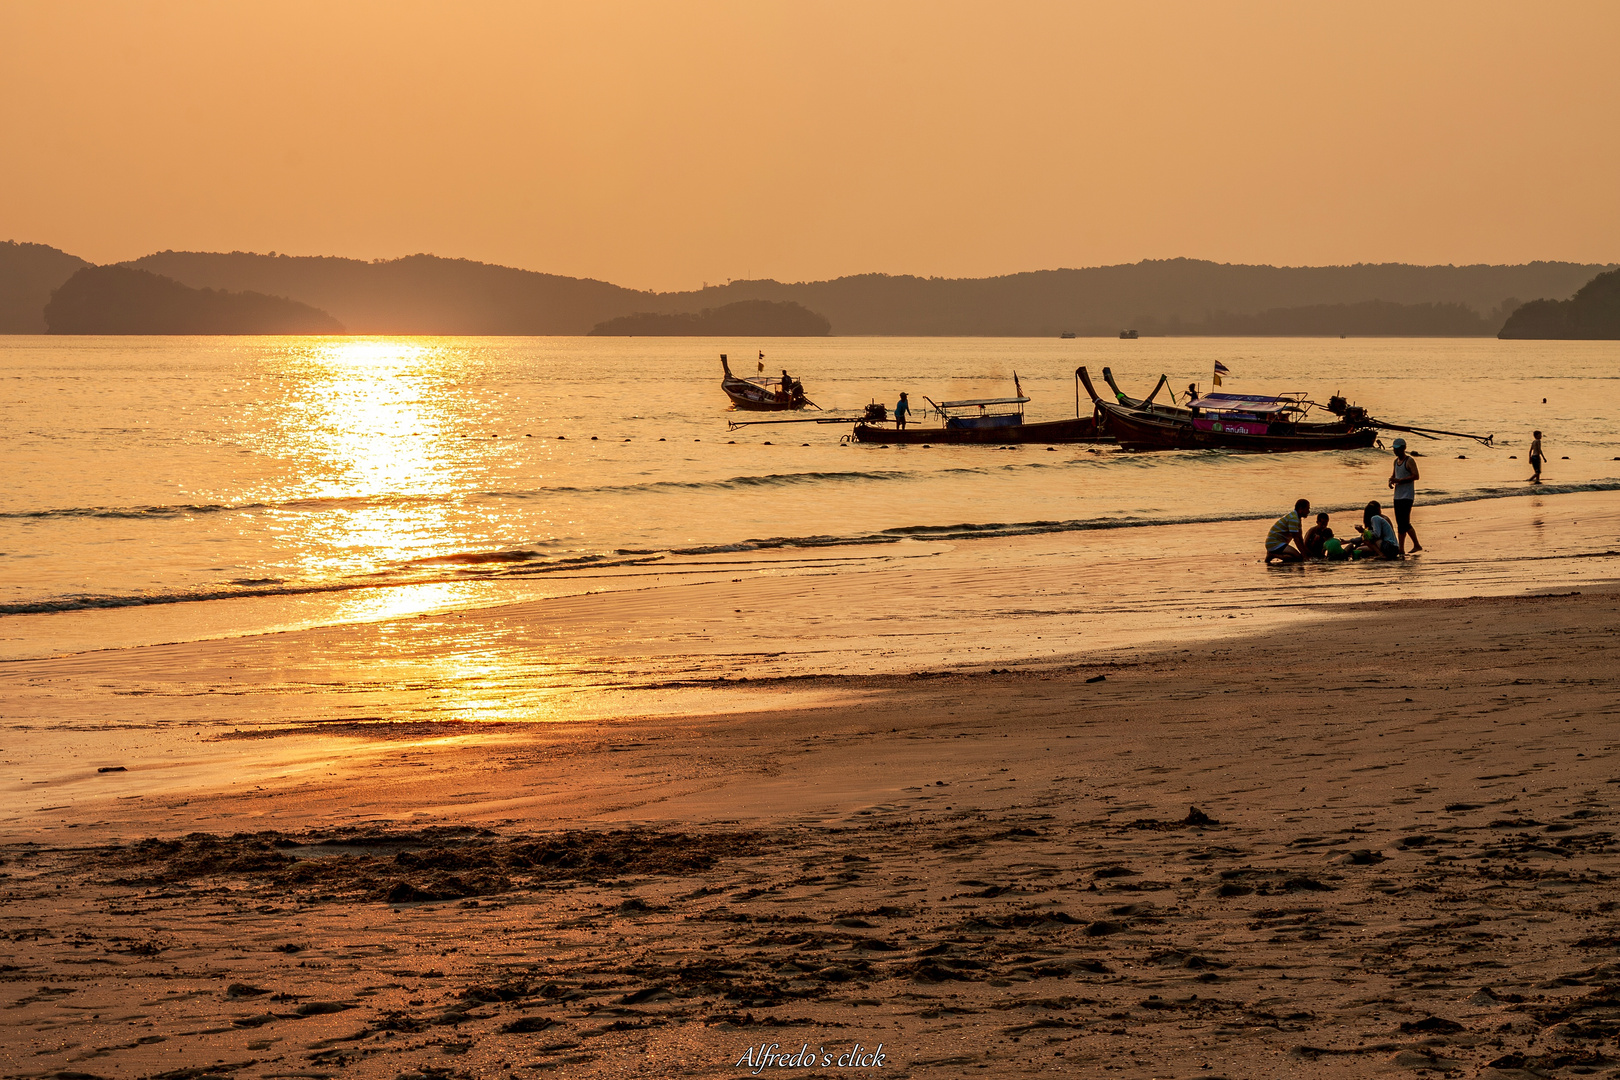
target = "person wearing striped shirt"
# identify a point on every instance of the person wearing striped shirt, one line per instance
(1288, 530)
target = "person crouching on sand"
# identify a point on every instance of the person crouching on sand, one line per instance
(1378, 533)
(1316, 540)
(1285, 531)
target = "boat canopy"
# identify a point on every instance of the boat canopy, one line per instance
(1249, 403)
(981, 402)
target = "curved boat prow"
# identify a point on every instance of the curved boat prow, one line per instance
(1085, 381)
(726, 367)
(1108, 377)
(1160, 385)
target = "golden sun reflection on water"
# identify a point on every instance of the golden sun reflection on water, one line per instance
(368, 429)
(371, 417)
(375, 605)
(375, 429)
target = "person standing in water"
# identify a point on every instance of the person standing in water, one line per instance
(902, 409)
(1535, 458)
(1404, 480)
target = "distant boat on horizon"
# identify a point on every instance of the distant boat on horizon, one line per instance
(1066, 334)
(1129, 334)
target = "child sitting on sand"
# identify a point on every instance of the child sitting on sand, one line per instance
(1318, 536)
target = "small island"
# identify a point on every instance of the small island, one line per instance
(1592, 314)
(745, 318)
(121, 300)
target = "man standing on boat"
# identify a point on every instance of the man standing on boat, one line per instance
(1288, 530)
(902, 409)
(1404, 480)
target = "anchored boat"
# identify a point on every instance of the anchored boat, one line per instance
(984, 421)
(1249, 422)
(763, 394)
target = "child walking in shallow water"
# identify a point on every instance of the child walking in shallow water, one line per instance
(1535, 458)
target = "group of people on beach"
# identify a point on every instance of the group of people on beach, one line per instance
(1377, 538)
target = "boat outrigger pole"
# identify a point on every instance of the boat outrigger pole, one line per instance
(1431, 433)
(1355, 414)
(732, 425)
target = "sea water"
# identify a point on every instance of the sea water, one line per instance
(167, 488)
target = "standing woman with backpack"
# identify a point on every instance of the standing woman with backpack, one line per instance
(1404, 479)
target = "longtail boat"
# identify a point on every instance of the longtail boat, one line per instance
(979, 421)
(1168, 406)
(1248, 422)
(763, 394)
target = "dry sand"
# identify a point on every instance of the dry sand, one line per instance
(1375, 843)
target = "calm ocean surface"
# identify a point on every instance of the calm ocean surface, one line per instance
(192, 472)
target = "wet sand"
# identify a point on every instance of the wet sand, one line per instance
(1359, 836)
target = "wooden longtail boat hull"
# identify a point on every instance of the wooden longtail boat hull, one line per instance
(750, 397)
(1081, 430)
(754, 397)
(1136, 429)
(1147, 431)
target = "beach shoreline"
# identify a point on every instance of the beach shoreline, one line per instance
(1378, 840)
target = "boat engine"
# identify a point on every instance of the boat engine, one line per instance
(876, 413)
(1353, 414)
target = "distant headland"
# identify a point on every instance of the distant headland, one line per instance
(426, 294)
(745, 318)
(121, 300)
(1593, 313)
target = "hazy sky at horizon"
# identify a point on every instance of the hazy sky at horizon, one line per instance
(661, 145)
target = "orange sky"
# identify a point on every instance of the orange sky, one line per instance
(662, 144)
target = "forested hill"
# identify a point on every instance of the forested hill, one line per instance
(1185, 296)
(122, 300)
(1593, 313)
(29, 273)
(419, 294)
(425, 294)
(745, 318)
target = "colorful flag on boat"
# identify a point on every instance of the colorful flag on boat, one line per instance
(1220, 369)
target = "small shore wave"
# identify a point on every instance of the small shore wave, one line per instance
(521, 562)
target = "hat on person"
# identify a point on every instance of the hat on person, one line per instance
(1400, 444)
